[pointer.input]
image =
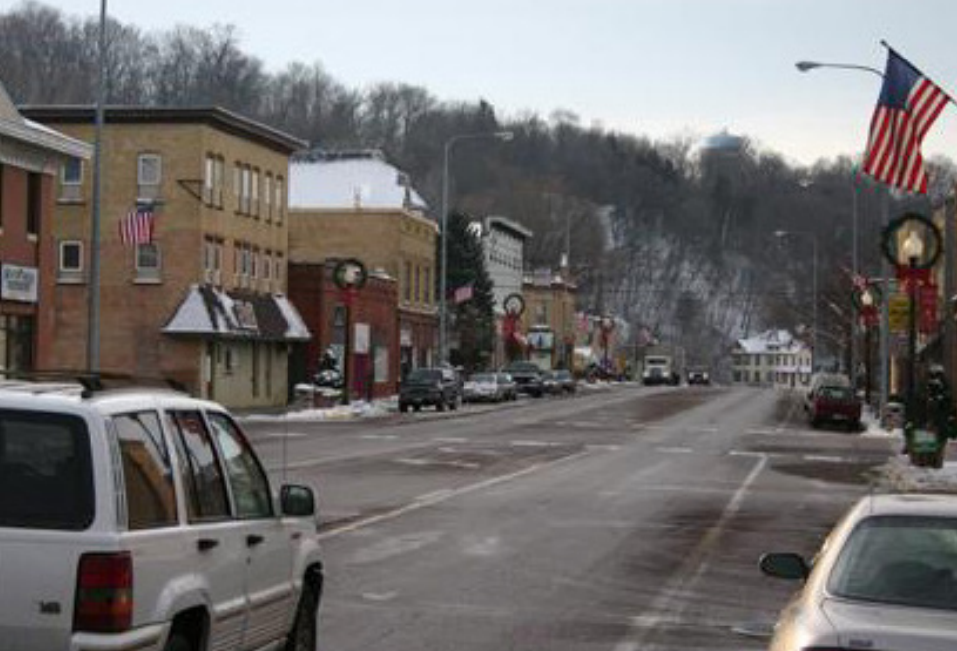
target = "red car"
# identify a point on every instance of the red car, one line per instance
(836, 405)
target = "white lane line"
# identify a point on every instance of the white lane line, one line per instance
(763, 431)
(379, 437)
(603, 447)
(672, 599)
(450, 439)
(284, 435)
(380, 596)
(532, 444)
(675, 450)
(704, 429)
(433, 499)
(435, 462)
(823, 457)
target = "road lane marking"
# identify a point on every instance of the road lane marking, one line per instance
(433, 499)
(379, 437)
(675, 450)
(465, 465)
(670, 601)
(450, 439)
(823, 457)
(380, 596)
(532, 444)
(282, 435)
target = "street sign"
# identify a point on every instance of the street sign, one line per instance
(898, 307)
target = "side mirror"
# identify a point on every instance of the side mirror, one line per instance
(785, 566)
(297, 501)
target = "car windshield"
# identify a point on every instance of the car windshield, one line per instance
(422, 375)
(909, 561)
(483, 378)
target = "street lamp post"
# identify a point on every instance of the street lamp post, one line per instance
(504, 136)
(814, 340)
(912, 250)
(806, 66)
(867, 304)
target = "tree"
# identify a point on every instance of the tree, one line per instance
(473, 321)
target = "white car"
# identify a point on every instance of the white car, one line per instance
(885, 580)
(142, 519)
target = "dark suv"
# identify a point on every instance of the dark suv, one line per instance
(528, 378)
(437, 387)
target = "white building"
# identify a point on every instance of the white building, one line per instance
(772, 358)
(503, 241)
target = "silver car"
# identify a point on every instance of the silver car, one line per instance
(885, 579)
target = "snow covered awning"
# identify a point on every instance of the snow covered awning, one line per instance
(210, 312)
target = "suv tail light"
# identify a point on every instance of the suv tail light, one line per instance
(104, 593)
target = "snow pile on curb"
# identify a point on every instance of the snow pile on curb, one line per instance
(898, 475)
(358, 409)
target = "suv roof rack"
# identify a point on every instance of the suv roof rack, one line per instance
(92, 382)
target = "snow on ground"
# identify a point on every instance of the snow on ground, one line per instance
(356, 409)
(898, 475)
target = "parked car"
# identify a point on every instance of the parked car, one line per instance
(528, 378)
(435, 387)
(698, 376)
(143, 519)
(835, 405)
(885, 579)
(819, 380)
(551, 384)
(566, 380)
(484, 387)
(509, 388)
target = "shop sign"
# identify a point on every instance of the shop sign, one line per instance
(18, 283)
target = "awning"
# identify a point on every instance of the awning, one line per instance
(210, 312)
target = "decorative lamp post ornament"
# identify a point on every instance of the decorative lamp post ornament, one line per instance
(867, 299)
(350, 276)
(913, 244)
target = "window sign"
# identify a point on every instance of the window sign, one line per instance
(18, 283)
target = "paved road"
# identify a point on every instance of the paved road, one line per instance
(621, 520)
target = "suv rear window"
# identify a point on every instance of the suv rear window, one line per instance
(46, 481)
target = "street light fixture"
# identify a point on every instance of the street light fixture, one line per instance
(807, 66)
(504, 136)
(814, 339)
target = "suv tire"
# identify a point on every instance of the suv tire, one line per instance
(177, 641)
(303, 634)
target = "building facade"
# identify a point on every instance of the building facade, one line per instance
(356, 205)
(774, 359)
(372, 318)
(549, 319)
(503, 244)
(31, 157)
(201, 300)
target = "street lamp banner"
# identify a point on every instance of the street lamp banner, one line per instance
(898, 306)
(912, 225)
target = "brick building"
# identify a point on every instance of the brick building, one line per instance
(31, 157)
(374, 368)
(549, 319)
(203, 302)
(356, 205)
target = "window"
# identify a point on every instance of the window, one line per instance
(148, 261)
(149, 175)
(219, 180)
(246, 477)
(71, 259)
(267, 265)
(408, 281)
(34, 202)
(238, 186)
(254, 264)
(244, 192)
(267, 196)
(45, 471)
(428, 285)
(255, 192)
(418, 285)
(209, 179)
(212, 261)
(278, 275)
(279, 200)
(147, 473)
(71, 179)
(202, 476)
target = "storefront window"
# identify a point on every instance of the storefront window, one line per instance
(16, 342)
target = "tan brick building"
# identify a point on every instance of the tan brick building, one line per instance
(356, 205)
(30, 160)
(549, 319)
(203, 302)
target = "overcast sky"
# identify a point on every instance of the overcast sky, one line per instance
(649, 67)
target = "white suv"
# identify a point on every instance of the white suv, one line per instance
(142, 519)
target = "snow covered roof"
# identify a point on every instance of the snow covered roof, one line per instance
(365, 181)
(14, 125)
(770, 341)
(209, 311)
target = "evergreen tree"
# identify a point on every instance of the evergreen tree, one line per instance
(472, 322)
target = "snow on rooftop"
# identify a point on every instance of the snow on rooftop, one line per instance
(770, 341)
(350, 183)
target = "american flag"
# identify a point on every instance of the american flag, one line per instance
(908, 106)
(463, 293)
(137, 226)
